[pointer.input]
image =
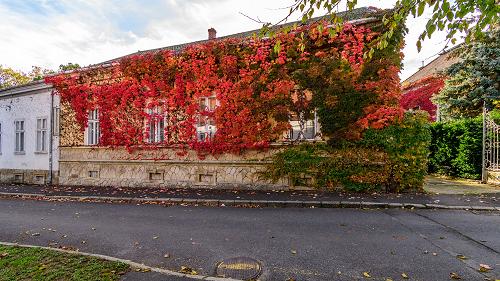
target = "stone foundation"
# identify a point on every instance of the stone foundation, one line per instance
(20, 176)
(493, 177)
(163, 167)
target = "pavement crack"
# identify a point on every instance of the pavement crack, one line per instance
(471, 264)
(451, 229)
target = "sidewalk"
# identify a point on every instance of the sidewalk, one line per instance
(213, 197)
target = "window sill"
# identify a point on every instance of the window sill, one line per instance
(41, 152)
(19, 152)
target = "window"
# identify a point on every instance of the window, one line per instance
(303, 129)
(19, 126)
(41, 135)
(206, 127)
(156, 125)
(93, 133)
(55, 121)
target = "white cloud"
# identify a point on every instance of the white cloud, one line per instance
(48, 33)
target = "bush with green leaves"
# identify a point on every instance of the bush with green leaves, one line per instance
(391, 159)
(456, 148)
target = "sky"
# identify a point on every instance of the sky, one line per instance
(48, 33)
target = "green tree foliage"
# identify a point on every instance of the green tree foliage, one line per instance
(10, 77)
(456, 148)
(69, 66)
(472, 17)
(472, 80)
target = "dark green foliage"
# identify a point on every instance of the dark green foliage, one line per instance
(391, 159)
(456, 148)
(473, 79)
(407, 145)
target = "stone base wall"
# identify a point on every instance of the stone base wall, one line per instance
(21, 176)
(163, 167)
(493, 177)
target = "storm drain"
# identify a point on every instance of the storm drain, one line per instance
(242, 268)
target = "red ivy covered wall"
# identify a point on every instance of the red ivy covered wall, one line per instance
(254, 81)
(419, 95)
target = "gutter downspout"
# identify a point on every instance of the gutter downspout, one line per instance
(51, 139)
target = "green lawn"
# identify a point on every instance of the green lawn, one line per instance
(18, 263)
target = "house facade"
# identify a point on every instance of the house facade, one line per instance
(29, 138)
(154, 161)
(97, 138)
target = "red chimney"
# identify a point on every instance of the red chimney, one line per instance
(212, 33)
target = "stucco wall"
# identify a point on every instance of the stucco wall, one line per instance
(28, 105)
(162, 167)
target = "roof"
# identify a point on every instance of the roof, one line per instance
(25, 88)
(354, 16)
(440, 63)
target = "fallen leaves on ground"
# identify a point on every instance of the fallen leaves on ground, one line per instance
(404, 275)
(142, 269)
(366, 275)
(455, 276)
(294, 252)
(462, 257)
(484, 268)
(3, 255)
(188, 270)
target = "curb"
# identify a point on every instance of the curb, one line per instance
(244, 203)
(133, 265)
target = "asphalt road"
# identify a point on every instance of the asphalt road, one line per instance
(304, 244)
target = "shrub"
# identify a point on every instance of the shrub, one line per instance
(407, 144)
(456, 148)
(392, 159)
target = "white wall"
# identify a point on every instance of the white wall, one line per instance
(26, 103)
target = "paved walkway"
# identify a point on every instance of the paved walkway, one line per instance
(441, 193)
(442, 185)
(303, 244)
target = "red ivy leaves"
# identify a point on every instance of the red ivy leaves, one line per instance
(252, 83)
(419, 94)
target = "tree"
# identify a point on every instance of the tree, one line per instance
(10, 77)
(69, 66)
(472, 17)
(472, 80)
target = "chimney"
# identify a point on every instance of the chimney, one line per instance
(212, 33)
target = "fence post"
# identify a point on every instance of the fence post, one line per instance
(484, 173)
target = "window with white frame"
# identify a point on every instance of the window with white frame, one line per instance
(41, 134)
(206, 127)
(93, 131)
(155, 125)
(303, 129)
(19, 143)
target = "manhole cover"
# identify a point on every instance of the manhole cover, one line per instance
(242, 268)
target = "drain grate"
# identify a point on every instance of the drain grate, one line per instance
(242, 268)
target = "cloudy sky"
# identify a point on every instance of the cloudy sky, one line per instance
(48, 33)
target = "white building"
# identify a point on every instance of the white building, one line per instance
(29, 134)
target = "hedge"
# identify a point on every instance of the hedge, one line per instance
(456, 148)
(391, 159)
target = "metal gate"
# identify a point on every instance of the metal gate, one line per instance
(491, 148)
